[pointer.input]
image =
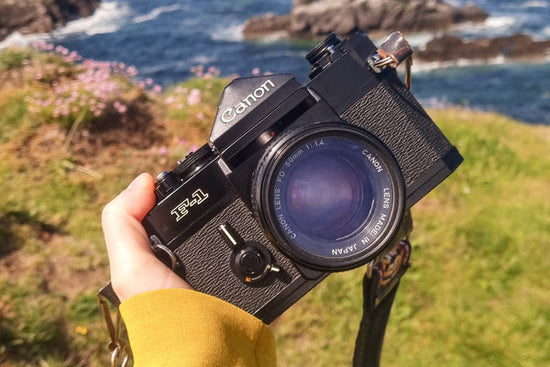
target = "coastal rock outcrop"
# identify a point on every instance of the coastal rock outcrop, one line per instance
(41, 16)
(313, 18)
(448, 48)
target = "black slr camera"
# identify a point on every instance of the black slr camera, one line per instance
(298, 181)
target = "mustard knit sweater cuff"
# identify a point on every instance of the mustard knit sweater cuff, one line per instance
(178, 327)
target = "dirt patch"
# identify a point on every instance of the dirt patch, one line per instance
(137, 128)
(57, 271)
(105, 142)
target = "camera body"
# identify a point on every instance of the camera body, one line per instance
(298, 181)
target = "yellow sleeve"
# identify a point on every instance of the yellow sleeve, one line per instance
(178, 327)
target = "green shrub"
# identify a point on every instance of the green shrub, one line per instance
(14, 58)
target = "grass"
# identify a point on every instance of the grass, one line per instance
(478, 290)
(477, 293)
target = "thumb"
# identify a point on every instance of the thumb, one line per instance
(134, 267)
(138, 198)
(121, 219)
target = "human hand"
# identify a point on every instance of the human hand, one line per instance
(134, 267)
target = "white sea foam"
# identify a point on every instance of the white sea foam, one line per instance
(424, 67)
(494, 26)
(177, 65)
(420, 39)
(421, 67)
(108, 18)
(23, 40)
(202, 60)
(499, 22)
(535, 4)
(154, 14)
(232, 33)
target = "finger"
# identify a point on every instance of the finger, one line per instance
(121, 220)
(134, 268)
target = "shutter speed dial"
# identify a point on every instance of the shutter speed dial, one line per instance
(250, 261)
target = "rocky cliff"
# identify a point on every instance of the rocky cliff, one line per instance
(312, 18)
(448, 48)
(41, 16)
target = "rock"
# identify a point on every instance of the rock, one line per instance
(41, 16)
(319, 17)
(448, 48)
(278, 23)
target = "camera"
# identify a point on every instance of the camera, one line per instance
(298, 181)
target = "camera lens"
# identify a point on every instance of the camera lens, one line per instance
(332, 195)
(325, 193)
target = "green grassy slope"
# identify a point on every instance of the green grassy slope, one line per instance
(478, 292)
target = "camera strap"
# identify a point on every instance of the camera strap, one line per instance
(118, 342)
(380, 285)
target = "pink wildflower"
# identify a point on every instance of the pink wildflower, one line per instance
(132, 71)
(198, 70)
(162, 150)
(170, 100)
(157, 89)
(194, 97)
(122, 109)
(62, 50)
(181, 90)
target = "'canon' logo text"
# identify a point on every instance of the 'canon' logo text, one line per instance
(230, 114)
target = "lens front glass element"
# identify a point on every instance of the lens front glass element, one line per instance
(326, 195)
(332, 195)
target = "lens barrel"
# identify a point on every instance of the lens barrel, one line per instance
(330, 194)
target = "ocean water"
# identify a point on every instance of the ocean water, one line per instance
(164, 39)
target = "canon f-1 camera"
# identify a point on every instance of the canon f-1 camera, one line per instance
(298, 181)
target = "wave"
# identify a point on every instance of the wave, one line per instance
(419, 39)
(23, 40)
(153, 14)
(426, 67)
(108, 18)
(492, 24)
(499, 22)
(535, 4)
(232, 33)
(177, 65)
